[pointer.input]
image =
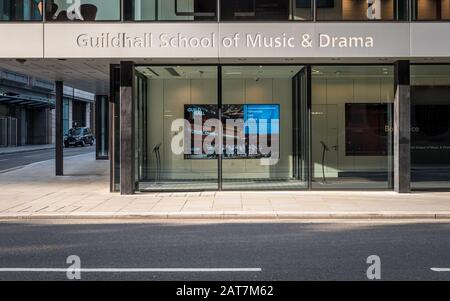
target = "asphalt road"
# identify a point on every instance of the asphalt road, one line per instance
(283, 250)
(15, 160)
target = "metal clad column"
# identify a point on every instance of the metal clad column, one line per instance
(402, 128)
(101, 127)
(126, 128)
(114, 126)
(59, 135)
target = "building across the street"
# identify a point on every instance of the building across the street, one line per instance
(27, 106)
(195, 95)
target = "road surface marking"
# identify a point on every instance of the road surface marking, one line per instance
(132, 270)
(440, 269)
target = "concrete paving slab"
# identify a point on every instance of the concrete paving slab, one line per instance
(34, 192)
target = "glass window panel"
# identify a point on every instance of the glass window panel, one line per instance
(351, 123)
(430, 126)
(21, 10)
(173, 10)
(167, 98)
(302, 10)
(250, 10)
(263, 108)
(361, 10)
(102, 128)
(82, 10)
(431, 9)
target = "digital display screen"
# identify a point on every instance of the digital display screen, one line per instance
(259, 125)
(261, 114)
(203, 113)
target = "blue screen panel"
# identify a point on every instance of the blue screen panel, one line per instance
(267, 112)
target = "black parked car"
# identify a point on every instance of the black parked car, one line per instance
(79, 136)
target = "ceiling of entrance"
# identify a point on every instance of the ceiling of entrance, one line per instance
(199, 72)
(92, 75)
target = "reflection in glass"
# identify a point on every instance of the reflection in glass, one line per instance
(352, 127)
(361, 10)
(21, 10)
(431, 10)
(302, 10)
(282, 10)
(82, 10)
(171, 10)
(101, 126)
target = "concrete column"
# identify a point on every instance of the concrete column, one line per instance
(88, 115)
(126, 128)
(49, 126)
(92, 117)
(402, 128)
(59, 135)
(52, 114)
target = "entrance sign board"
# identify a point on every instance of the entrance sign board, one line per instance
(228, 40)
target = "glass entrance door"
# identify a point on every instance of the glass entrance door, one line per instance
(176, 128)
(351, 127)
(265, 118)
(247, 129)
(430, 127)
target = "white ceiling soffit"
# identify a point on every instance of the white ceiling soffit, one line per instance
(91, 75)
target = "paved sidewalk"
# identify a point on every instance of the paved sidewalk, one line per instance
(33, 192)
(25, 148)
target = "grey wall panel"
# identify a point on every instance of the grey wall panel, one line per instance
(20, 40)
(430, 39)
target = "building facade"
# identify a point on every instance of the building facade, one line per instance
(200, 95)
(25, 110)
(27, 104)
